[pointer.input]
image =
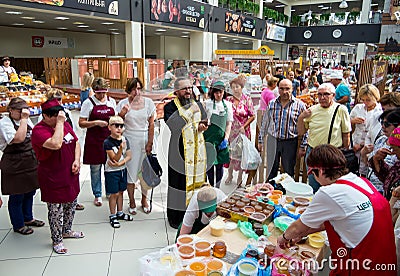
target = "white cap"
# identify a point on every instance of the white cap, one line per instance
(336, 75)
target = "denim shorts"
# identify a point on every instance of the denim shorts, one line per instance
(115, 181)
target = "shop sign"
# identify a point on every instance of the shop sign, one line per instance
(181, 12)
(395, 10)
(263, 50)
(275, 32)
(49, 42)
(101, 6)
(240, 24)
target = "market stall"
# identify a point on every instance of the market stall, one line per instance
(242, 238)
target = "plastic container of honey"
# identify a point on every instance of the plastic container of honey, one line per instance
(214, 265)
(186, 251)
(184, 239)
(202, 248)
(198, 268)
(185, 273)
(217, 228)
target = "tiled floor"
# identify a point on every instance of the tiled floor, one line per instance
(104, 250)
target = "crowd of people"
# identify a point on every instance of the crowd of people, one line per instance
(203, 132)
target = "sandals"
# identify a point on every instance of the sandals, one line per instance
(132, 211)
(73, 235)
(59, 248)
(124, 216)
(26, 230)
(114, 222)
(35, 223)
(79, 207)
(98, 201)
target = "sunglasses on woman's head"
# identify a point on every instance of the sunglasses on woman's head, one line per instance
(118, 125)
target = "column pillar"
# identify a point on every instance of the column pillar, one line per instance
(361, 47)
(203, 46)
(133, 37)
(287, 10)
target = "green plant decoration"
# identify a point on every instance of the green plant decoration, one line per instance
(295, 20)
(241, 5)
(325, 16)
(340, 16)
(256, 8)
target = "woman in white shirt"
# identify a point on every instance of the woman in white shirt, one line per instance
(364, 117)
(220, 116)
(138, 113)
(6, 70)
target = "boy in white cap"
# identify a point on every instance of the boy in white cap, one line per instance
(118, 153)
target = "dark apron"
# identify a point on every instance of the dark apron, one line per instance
(165, 83)
(19, 167)
(215, 134)
(94, 153)
(196, 228)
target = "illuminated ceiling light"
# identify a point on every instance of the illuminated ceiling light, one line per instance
(279, 6)
(38, 21)
(184, 36)
(115, 33)
(92, 30)
(186, 32)
(17, 24)
(226, 40)
(320, 6)
(27, 17)
(343, 5)
(62, 28)
(325, 8)
(83, 26)
(113, 29)
(14, 12)
(374, 4)
(61, 18)
(78, 23)
(107, 23)
(161, 30)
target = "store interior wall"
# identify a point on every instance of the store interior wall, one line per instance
(234, 46)
(17, 42)
(168, 47)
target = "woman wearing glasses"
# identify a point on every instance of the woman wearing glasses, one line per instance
(95, 114)
(138, 113)
(381, 158)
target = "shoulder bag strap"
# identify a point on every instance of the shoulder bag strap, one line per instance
(333, 120)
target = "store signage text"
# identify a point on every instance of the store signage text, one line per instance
(179, 11)
(263, 50)
(101, 6)
(275, 32)
(49, 42)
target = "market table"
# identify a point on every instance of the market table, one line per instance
(236, 242)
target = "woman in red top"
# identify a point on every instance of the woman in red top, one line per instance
(58, 152)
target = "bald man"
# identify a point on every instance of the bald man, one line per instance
(280, 124)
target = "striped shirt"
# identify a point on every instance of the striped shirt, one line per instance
(281, 121)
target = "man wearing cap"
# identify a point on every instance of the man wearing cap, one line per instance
(317, 120)
(18, 166)
(187, 160)
(342, 92)
(280, 123)
(6, 70)
(58, 152)
(201, 210)
(220, 117)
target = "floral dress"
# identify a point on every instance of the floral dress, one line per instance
(241, 113)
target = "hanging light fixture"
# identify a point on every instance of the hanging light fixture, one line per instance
(343, 5)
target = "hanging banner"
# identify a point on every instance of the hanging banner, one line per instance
(182, 12)
(101, 6)
(240, 24)
(275, 32)
(395, 10)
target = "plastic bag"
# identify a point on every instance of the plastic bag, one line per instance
(247, 229)
(235, 148)
(152, 264)
(251, 158)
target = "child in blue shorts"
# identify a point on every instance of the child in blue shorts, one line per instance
(118, 153)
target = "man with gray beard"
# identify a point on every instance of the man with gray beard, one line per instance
(187, 159)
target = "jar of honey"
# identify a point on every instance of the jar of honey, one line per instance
(219, 250)
(269, 250)
(203, 249)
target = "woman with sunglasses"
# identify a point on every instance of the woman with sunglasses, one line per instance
(138, 113)
(384, 163)
(95, 114)
(354, 214)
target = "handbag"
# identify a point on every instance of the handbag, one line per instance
(352, 162)
(151, 171)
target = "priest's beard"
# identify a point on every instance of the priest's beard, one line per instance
(185, 102)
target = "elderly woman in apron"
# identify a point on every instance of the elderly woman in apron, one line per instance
(19, 166)
(95, 113)
(220, 116)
